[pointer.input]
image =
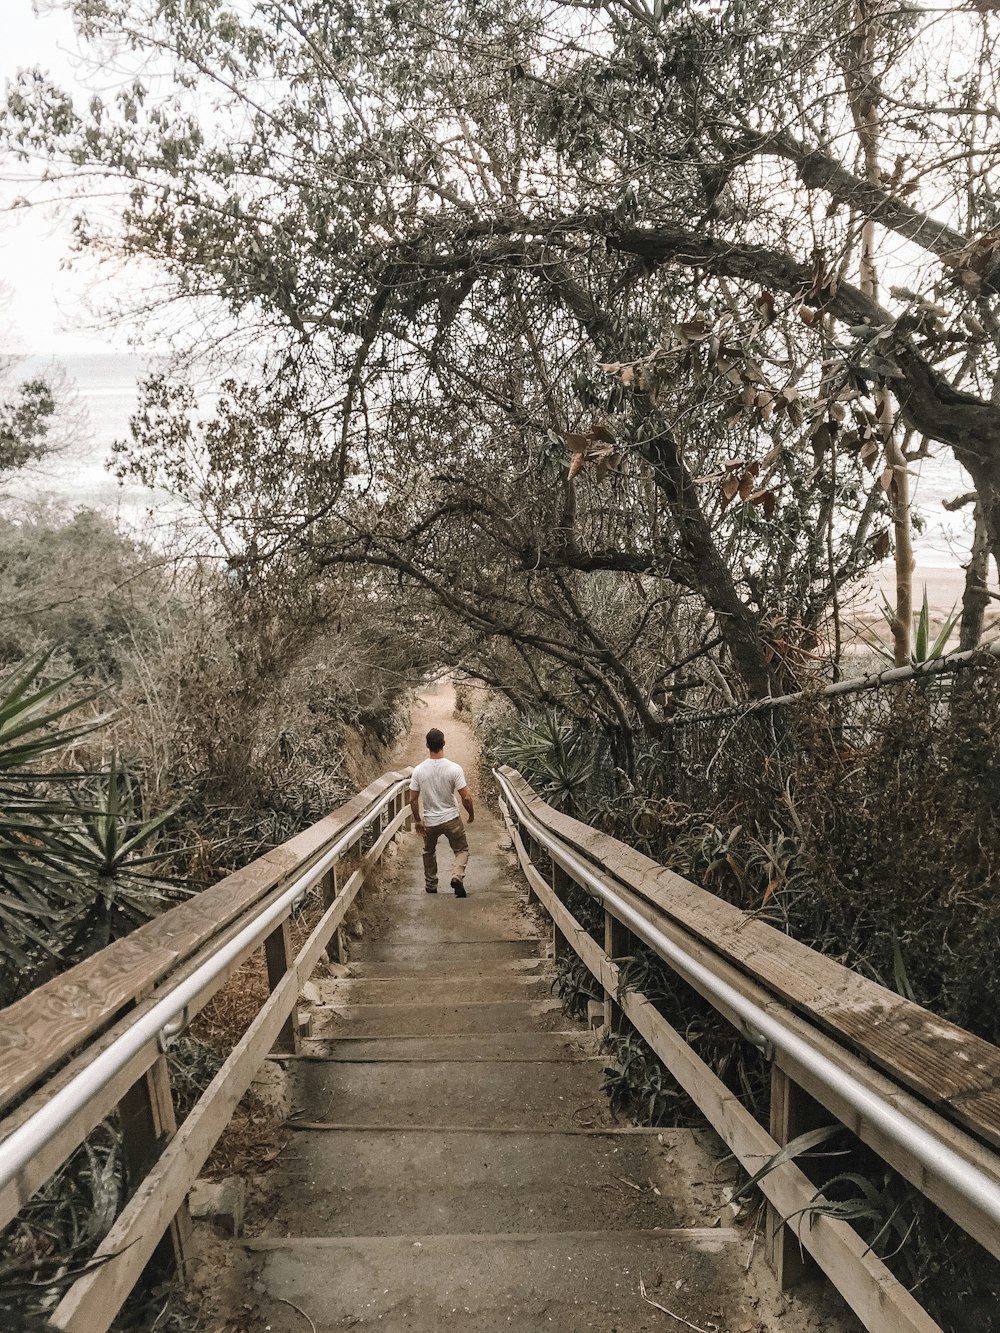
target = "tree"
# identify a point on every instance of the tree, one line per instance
(458, 214)
(26, 412)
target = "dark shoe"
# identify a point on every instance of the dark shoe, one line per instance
(459, 888)
(430, 888)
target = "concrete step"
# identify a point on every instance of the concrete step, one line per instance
(428, 954)
(434, 990)
(531, 1046)
(452, 964)
(475, 889)
(436, 1020)
(473, 1094)
(563, 1282)
(351, 1182)
(435, 921)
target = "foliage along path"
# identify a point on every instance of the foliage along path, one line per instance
(452, 1163)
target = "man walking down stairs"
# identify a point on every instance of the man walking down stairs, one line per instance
(452, 1163)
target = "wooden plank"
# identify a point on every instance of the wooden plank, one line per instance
(948, 1067)
(147, 1121)
(278, 959)
(49, 1157)
(937, 1188)
(618, 942)
(508, 820)
(92, 1302)
(560, 885)
(792, 1113)
(881, 1302)
(41, 1029)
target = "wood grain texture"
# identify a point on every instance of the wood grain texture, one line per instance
(93, 1301)
(880, 1301)
(40, 1030)
(951, 1069)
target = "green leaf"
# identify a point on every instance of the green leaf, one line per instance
(798, 1147)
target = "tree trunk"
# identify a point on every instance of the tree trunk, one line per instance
(739, 628)
(863, 96)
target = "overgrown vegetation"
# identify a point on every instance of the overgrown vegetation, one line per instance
(864, 828)
(604, 391)
(160, 723)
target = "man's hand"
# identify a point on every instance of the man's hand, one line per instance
(465, 796)
(418, 828)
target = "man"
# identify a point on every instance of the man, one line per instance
(439, 782)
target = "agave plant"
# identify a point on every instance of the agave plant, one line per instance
(554, 758)
(72, 872)
(925, 649)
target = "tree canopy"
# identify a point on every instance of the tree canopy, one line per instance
(606, 334)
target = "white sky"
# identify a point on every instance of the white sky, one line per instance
(44, 305)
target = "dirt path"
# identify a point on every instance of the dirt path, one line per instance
(435, 707)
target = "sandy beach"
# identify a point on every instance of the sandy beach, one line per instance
(945, 585)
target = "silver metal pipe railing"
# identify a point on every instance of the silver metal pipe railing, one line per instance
(930, 1152)
(20, 1146)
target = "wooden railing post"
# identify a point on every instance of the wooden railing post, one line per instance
(525, 837)
(793, 1112)
(336, 949)
(147, 1122)
(279, 954)
(561, 882)
(618, 943)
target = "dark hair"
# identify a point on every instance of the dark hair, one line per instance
(435, 740)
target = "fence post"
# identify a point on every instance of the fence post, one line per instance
(336, 949)
(793, 1112)
(526, 841)
(147, 1122)
(618, 942)
(561, 882)
(278, 955)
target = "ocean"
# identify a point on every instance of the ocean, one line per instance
(103, 392)
(100, 393)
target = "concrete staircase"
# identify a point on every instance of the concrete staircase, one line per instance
(453, 1164)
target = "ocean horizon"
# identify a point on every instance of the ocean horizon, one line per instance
(103, 391)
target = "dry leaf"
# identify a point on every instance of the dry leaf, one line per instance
(729, 488)
(767, 500)
(694, 330)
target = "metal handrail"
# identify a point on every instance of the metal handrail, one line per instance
(931, 1152)
(160, 1019)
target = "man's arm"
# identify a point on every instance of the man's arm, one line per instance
(418, 823)
(465, 796)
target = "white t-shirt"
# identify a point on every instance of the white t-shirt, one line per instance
(437, 781)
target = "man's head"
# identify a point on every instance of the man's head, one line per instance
(435, 740)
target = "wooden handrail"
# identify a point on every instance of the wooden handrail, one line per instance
(951, 1069)
(42, 1029)
(98, 1056)
(798, 1007)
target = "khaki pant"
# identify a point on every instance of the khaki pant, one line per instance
(454, 831)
